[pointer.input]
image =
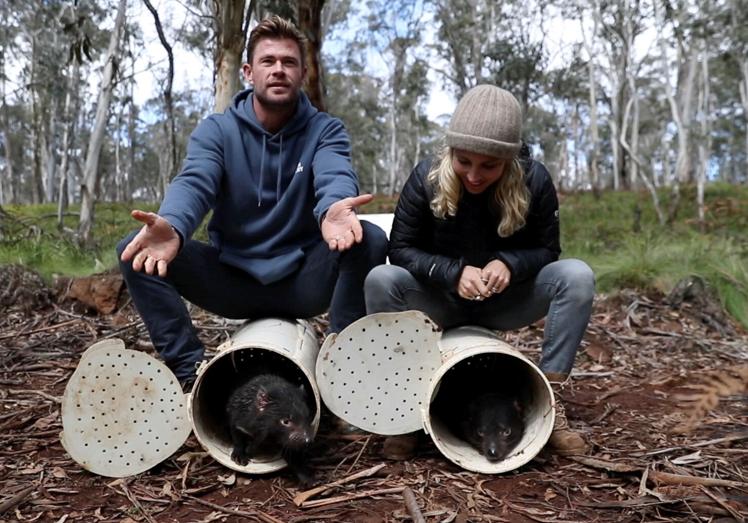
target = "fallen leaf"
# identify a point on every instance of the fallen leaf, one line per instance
(227, 480)
(59, 473)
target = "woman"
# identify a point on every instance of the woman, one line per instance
(475, 240)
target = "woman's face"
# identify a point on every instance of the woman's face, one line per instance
(477, 171)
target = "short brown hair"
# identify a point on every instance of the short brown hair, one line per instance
(276, 27)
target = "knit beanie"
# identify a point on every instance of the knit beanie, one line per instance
(487, 120)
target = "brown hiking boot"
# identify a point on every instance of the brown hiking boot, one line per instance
(564, 440)
(401, 447)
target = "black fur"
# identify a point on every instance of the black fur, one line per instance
(491, 422)
(493, 425)
(267, 414)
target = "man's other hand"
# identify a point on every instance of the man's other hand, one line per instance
(154, 247)
(340, 227)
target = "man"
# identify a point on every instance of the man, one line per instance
(284, 236)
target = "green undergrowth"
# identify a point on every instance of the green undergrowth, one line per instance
(617, 234)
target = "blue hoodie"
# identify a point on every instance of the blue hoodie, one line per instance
(268, 192)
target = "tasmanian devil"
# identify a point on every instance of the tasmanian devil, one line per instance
(267, 414)
(493, 424)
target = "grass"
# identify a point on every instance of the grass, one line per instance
(599, 231)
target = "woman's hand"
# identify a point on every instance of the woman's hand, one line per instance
(496, 276)
(471, 285)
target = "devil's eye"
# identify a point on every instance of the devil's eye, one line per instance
(286, 422)
(507, 432)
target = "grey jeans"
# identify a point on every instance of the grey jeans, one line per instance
(562, 291)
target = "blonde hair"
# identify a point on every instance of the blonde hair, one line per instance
(511, 196)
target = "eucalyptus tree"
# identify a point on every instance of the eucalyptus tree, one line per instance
(9, 26)
(78, 24)
(42, 57)
(738, 52)
(91, 169)
(395, 33)
(168, 164)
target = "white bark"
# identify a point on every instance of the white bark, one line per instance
(592, 80)
(67, 134)
(742, 60)
(91, 169)
(705, 143)
(633, 102)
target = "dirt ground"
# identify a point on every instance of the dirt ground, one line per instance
(659, 390)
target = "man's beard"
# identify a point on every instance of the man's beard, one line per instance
(285, 103)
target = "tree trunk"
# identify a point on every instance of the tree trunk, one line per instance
(705, 143)
(7, 187)
(393, 148)
(91, 169)
(742, 60)
(634, 102)
(231, 35)
(68, 122)
(36, 130)
(309, 16)
(132, 140)
(168, 163)
(594, 171)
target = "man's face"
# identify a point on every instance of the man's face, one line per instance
(276, 72)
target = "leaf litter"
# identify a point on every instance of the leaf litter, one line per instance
(659, 390)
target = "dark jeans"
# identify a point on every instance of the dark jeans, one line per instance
(326, 279)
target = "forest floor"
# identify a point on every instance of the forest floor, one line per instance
(660, 390)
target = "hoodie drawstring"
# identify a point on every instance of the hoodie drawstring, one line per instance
(262, 173)
(280, 164)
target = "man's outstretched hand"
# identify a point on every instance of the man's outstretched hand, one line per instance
(154, 247)
(341, 228)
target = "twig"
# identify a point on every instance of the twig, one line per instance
(301, 497)
(40, 393)
(267, 518)
(340, 499)
(607, 412)
(721, 502)
(41, 329)
(412, 505)
(15, 500)
(358, 456)
(135, 501)
(726, 439)
(679, 479)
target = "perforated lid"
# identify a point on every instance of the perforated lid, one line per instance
(375, 374)
(123, 411)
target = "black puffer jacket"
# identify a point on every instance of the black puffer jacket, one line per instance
(436, 250)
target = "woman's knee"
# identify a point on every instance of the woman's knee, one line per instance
(579, 279)
(382, 286)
